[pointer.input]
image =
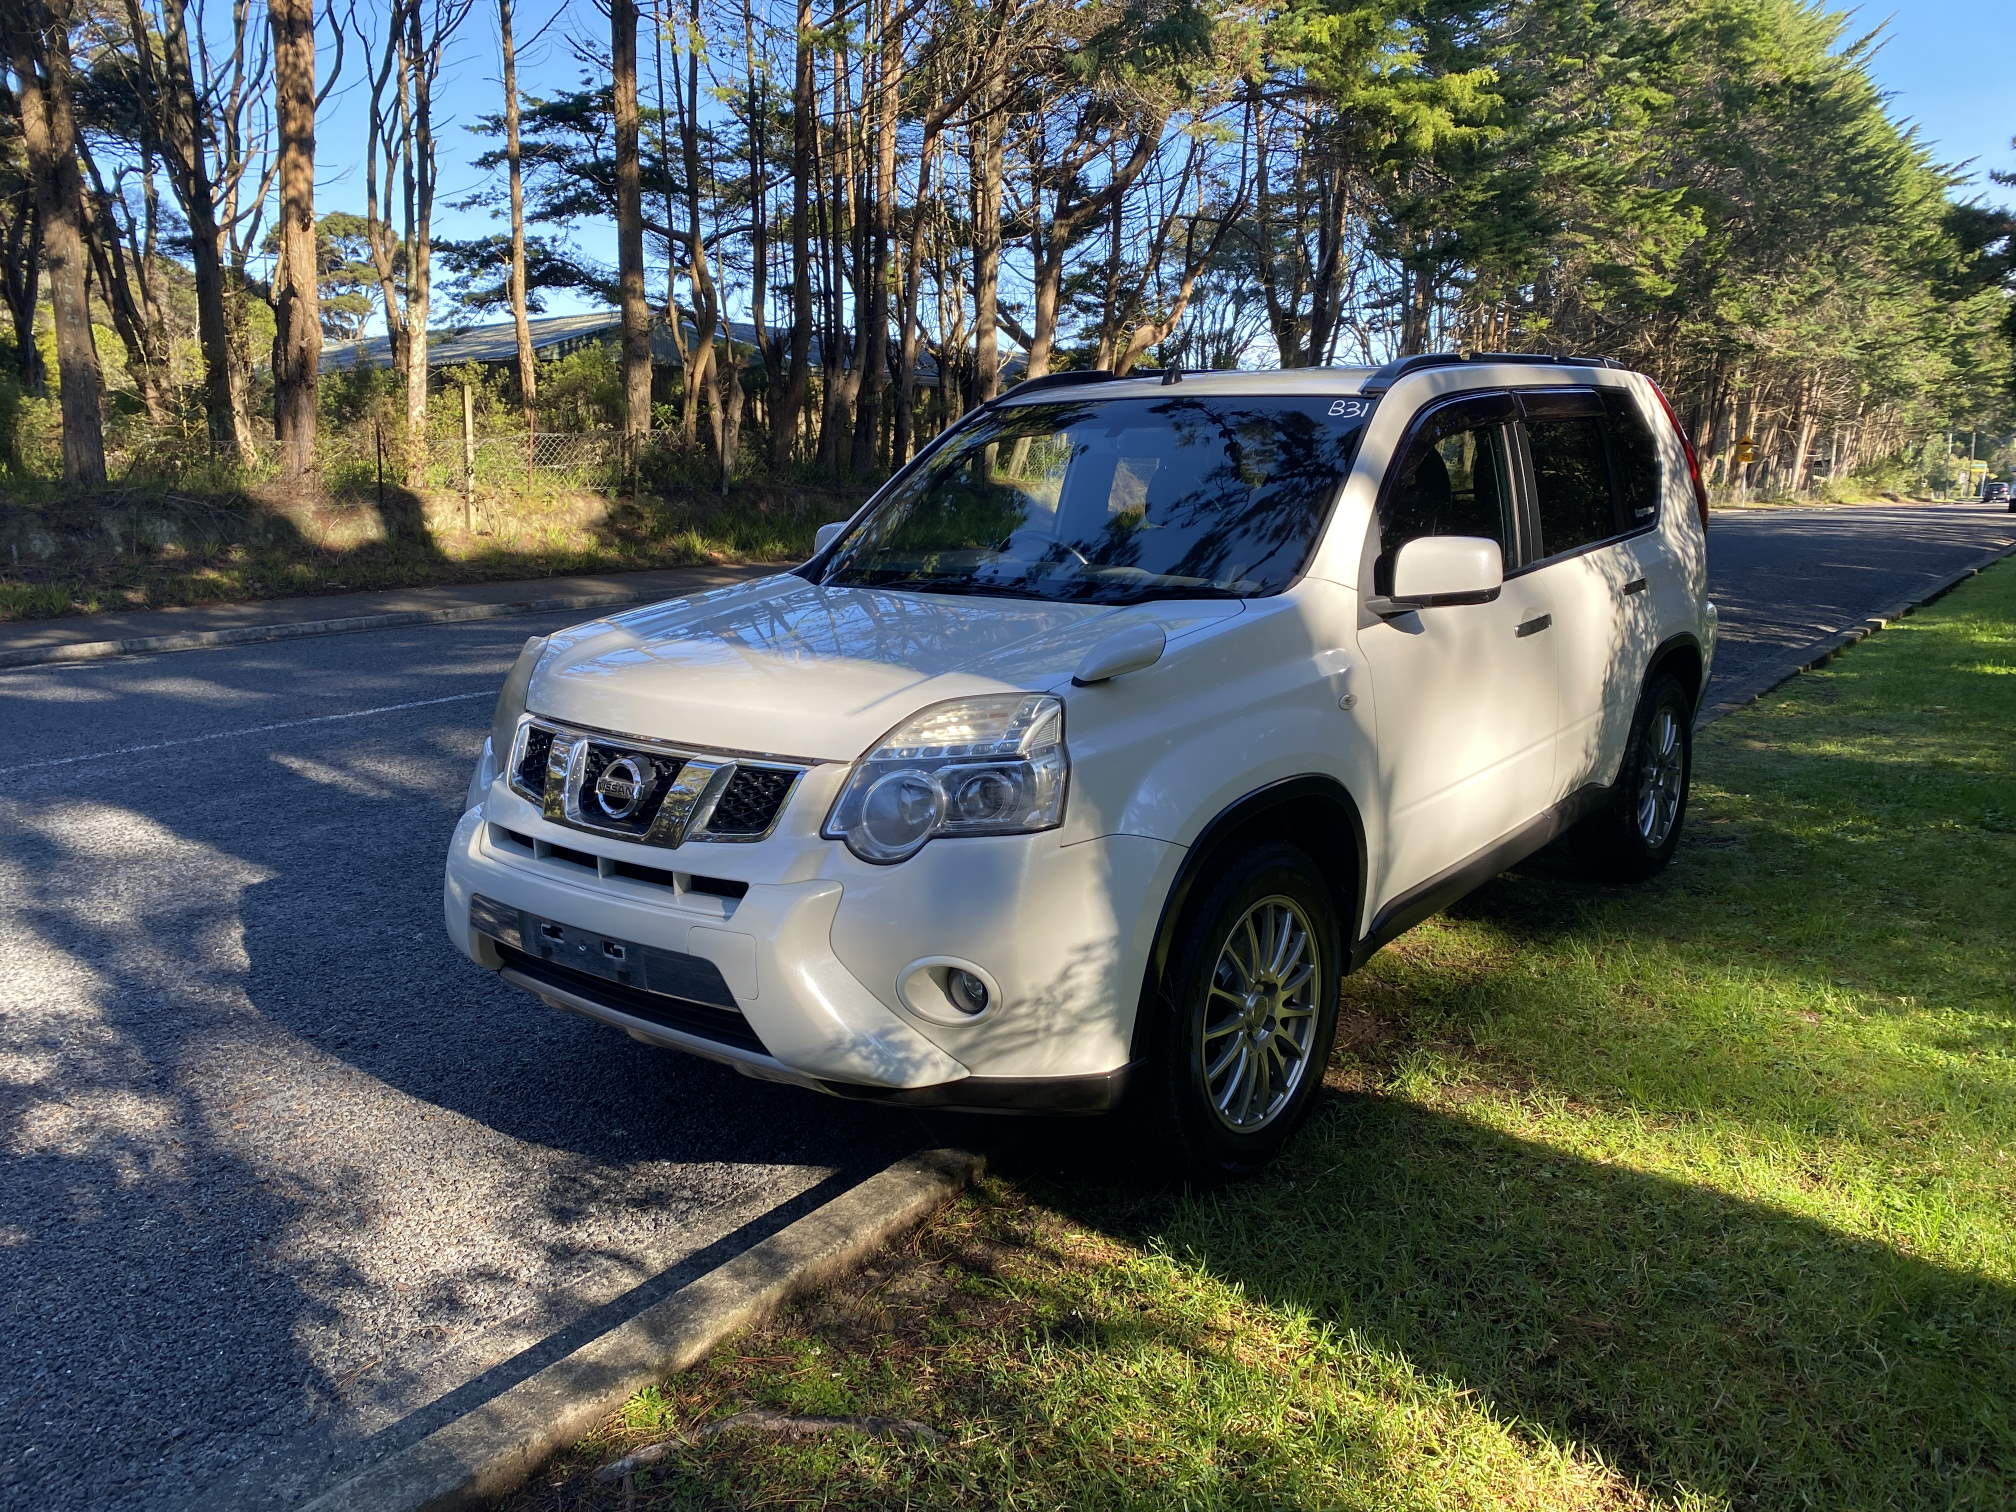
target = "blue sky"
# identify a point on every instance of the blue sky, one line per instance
(1949, 65)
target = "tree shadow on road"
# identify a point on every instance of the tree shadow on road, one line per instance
(279, 1150)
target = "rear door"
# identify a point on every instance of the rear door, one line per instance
(1464, 695)
(1587, 513)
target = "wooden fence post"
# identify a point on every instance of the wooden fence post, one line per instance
(468, 459)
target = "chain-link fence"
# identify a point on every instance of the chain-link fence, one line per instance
(494, 463)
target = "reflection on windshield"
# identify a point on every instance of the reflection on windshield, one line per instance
(1111, 501)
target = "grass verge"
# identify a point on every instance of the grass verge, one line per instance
(1699, 1195)
(129, 549)
(1826, 499)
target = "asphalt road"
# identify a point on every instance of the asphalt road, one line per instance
(283, 1174)
(1787, 580)
(281, 1168)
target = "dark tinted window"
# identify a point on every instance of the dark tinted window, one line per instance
(1635, 455)
(1111, 501)
(1571, 470)
(1451, 482)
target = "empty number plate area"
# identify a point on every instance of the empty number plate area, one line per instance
(664, 987)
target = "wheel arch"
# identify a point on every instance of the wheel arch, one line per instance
(1302, 809)
(1680, 656)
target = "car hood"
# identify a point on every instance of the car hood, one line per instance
(787, 667)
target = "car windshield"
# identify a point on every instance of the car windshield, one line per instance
(1112, 501)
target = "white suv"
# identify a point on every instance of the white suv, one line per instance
(1108, 736)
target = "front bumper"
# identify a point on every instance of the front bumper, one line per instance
(1056, 1041)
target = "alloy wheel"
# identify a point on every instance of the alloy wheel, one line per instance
(1661, 774)
(1260, 1015)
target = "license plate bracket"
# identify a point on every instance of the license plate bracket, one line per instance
(646, 968)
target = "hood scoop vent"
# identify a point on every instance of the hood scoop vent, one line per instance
(1123, 651)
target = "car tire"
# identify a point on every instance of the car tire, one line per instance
(1637, 830)
(1244, 1015)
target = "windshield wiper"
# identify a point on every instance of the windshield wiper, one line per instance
(1176, 591)
(953, 587)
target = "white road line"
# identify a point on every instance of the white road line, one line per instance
(285, 724)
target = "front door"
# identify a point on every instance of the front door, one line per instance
(1467, 706)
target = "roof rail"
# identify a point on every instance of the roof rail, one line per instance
(1073, 378)
(1384, 378)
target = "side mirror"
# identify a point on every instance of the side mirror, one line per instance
(1435, 571)
(826, 535)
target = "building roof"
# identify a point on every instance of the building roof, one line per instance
(498, 342)
(552, 336)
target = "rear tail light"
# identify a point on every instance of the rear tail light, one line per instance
(1693, 461)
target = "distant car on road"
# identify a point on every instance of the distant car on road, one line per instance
(1994, 492)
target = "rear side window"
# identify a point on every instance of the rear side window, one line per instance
(1573, 501)
(1452, 480)
(1635, 455)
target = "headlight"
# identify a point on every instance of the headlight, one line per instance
(511, 702)
(993, 765)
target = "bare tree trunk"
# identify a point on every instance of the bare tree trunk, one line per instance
(716, 366)
(676, 328)
(804, 106)
(630, 221)
(528, 367)
(401, 172)
(756, 111)
(1805, 432)
(987, 167)
(21, 277)
(114, 271)
(912, 288)
(185, 135)
(419, 69)
(840, 365)
(297, 334)
(1055, 234)
(39, 41)
(881, 233)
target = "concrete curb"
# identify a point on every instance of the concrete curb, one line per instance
(488, 1452)
(242, 635)
(1824, 651)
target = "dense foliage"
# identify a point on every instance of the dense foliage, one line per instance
(895, 194)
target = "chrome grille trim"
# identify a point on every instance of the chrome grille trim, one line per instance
(700, 780)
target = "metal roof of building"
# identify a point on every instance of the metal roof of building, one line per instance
(498, 342)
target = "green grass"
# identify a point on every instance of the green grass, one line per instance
(241, 546)
(1698, 1195)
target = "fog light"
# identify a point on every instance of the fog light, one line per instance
(967, 991)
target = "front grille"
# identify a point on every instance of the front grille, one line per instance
(724, 1026)
(750, 803)
(660, 772)
(647, 791)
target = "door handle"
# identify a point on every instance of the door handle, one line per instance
(1636, 585)
(1534, 625)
